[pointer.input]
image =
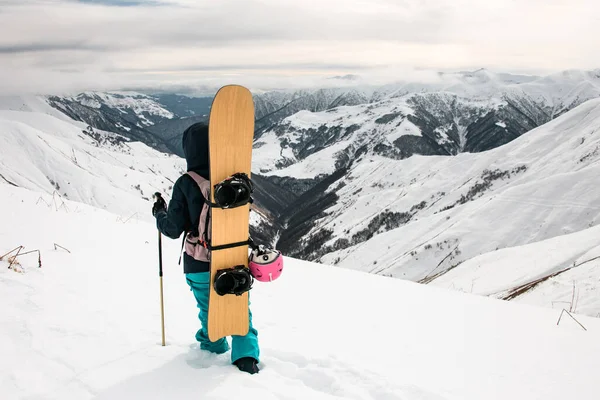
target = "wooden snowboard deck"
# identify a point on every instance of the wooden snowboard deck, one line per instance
(231, 132)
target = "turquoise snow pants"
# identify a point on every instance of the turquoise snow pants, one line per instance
(241, 346)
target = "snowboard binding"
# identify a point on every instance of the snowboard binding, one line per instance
(236, 280)
(234, 191)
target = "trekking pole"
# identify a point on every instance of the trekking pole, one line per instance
(160, 275)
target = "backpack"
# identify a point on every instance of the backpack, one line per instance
(197, 243)
(198, 246)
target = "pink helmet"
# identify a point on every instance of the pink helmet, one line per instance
(265, 264)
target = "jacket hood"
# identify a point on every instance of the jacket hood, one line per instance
(195, 148)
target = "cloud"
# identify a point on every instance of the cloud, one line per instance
(123, 3)
(48, 47)
(269, 42)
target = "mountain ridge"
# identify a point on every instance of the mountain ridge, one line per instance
(377, 200)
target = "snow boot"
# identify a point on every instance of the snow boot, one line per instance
(247, 364)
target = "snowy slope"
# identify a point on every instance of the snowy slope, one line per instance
(31, 103)
(419, 217)
(44, 153)
(141, 105)
(87, 326)
(66, 159)
(561, 272)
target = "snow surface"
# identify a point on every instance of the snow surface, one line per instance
(44, 153)
(405, 128)
(31, 103)
(498, 272)
(87, 326)
(268, 151)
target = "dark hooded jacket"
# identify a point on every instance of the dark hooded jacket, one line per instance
(186, 201)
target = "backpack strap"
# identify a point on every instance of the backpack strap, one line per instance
(204, 186)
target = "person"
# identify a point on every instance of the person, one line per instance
(181, 216)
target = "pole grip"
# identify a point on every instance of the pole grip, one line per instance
(160, 268)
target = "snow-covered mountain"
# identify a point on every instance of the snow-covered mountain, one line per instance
(87, 325)
(155, 120)
(420, 217)
(462, 111)
(459, 112)
(388, 186)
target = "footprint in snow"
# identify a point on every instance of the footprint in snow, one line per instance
(201, 359)
(290, 376)
(331, 378)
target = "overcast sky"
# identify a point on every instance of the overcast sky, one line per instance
(59, 45)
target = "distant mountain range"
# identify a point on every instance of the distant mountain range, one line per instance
(306, 140)
(429, 182)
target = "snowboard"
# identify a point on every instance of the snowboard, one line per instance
(230, 138)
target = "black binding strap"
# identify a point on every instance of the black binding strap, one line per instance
(250, 200)
(210, 247)
(228, 246)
